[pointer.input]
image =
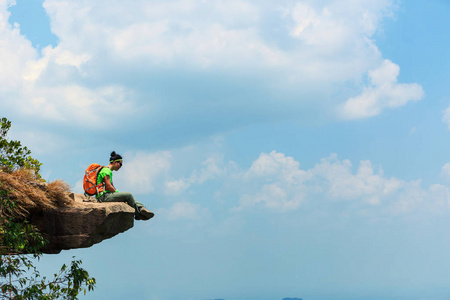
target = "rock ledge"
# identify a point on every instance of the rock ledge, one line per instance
(82, 225)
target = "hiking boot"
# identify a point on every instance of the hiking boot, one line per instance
(144, 214)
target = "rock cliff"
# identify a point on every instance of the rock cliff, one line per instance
(65, 219)
(83, 224)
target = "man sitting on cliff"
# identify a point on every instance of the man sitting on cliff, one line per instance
(111, 194)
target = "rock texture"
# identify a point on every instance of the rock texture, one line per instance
(65, 219)
(82, 225)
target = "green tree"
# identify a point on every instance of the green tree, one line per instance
(21, 242)
(13, 155)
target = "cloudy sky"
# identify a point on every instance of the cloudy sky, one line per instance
(288, 148)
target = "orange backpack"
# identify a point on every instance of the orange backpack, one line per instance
(90, 180)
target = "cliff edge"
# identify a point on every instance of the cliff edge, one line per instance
(67, 220)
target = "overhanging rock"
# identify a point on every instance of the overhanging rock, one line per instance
(82, 225)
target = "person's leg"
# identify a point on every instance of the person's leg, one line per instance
(122, 197)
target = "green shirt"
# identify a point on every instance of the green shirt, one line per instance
(101, 176)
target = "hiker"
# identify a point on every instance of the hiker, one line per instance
(111, 194)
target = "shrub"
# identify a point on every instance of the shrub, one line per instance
(13, 155)
(20, 241)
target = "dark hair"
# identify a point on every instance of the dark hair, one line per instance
(114, 156)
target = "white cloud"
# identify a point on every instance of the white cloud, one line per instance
(281, 182)
(285, 186)
(74, 103)
(143, 171)
(15, 52)
(440, 197)
(105, 47)
(342, 184)
(45, 87)
(445, 172)
(159, 32)
(329, 26)
(267, 185)
(277, 164)
(446, 117)
(184, 211)
(212, 168)
(33, 140)
(276, 183)
(273, 197)
(56, 56)
(176, 187)
(383, 92)
(411, 198)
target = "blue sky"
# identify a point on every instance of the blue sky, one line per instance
(288, 148)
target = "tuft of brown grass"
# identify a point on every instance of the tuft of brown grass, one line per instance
(31, 195)
(58, 192)
(25, 174)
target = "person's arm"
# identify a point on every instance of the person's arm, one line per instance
(108, 186)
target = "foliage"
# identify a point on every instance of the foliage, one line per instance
(13, 155)
(20, 244)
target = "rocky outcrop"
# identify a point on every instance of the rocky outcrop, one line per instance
(65, 219)
(82, 224)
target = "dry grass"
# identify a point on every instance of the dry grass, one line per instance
(58, 192)
(24, 174)
(32, 195)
